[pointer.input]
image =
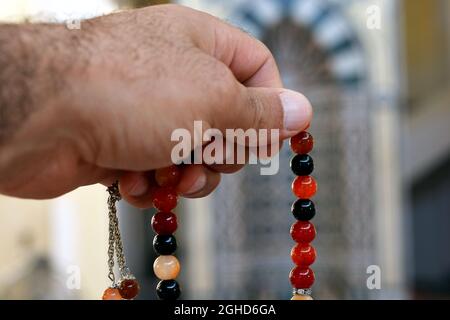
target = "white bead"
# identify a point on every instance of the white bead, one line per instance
(166, 267)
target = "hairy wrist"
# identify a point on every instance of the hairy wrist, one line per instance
(37, 63)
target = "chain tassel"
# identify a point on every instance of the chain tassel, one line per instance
(126, 287)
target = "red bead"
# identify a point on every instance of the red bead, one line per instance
(129, 288)
(164, 198)
(303, 255)
(303, 232)
(302, 143)
(164, 223)
(304, 187)
(168, 177)
(302, 278)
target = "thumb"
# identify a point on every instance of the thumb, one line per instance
(274, 108)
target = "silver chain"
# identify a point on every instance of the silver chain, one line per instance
(115, 240)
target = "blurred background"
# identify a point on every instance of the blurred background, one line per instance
(378, 75)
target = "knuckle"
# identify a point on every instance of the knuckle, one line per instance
(256, 109)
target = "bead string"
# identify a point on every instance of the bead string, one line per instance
(164, 223)
(303, 231)
(164, 198)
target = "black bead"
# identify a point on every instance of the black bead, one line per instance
(168, 290)
(164, 244)
(303, 209)
(302, 164)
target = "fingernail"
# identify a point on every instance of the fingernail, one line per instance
(297, 110)
(198, 185)
(139, 188)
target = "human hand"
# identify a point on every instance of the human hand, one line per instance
(105, 99)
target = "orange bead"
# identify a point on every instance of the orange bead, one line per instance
(303, 254)
(301, 297)
(111, 294)
(304, 187)
(164, 198)
(168, 177)
(302, 143)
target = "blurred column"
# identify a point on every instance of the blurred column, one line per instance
(78, 242)
(199, 228)
(382, 46)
